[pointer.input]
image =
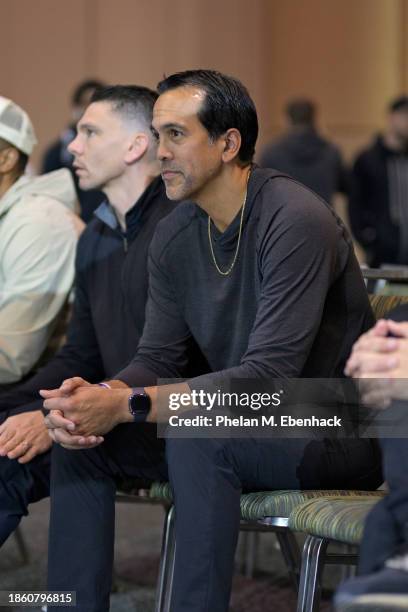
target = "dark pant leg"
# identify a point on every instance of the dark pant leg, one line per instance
(83, 485)
(21, 485)
(386, 528)
(380, 539)
(207, 476)
(395, 453)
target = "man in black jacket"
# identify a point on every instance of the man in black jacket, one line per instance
(304, 154)
(115, 151)
(378, 205)
(261, 274)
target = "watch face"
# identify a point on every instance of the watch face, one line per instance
(139, 405)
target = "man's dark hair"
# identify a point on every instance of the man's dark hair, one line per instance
(22, 157)
(83, 90)
(132, 101)
(227, 104)
(301, 111)
(399, 104)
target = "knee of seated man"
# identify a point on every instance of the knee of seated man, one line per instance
(64, 456)
(182, 446)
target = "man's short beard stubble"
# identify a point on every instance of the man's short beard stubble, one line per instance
(186, 190)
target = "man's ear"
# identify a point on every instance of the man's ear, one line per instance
(232, 144)
(8, 159)
(137, 148)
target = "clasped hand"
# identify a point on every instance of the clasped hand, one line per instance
(80, 413)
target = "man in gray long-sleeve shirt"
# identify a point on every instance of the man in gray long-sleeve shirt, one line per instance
(259, 274)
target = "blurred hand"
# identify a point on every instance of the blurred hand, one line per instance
(380, 361)
(373, 352)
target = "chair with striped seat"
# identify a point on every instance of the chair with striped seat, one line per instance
(270, 510)
(262, 511)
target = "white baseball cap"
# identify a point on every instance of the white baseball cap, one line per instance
(16, 127)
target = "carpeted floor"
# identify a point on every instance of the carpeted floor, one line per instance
(137, 547)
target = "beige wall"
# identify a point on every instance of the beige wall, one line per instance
(350, 55)
(347, 54)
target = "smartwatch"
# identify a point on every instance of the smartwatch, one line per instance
(139, 404)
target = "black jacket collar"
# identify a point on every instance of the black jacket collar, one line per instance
(136, 216)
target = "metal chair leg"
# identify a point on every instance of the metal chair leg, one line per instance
(166, 569)
(313, 557)
(291, 554)
(169, 589)
(22, 547)
(250, 542)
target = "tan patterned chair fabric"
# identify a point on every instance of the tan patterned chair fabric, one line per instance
(256, 506)
(161, 491)
(383, 304)
(340, 518)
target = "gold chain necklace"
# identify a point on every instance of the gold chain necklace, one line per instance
(229, 270)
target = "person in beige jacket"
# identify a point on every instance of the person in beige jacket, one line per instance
(38, 236)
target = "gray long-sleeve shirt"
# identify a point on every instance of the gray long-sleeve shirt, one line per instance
(292, 306)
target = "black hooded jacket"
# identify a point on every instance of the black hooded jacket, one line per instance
(369, 206)
(310, 159)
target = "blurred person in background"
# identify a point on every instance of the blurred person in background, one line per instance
(58, 155)
(38, 238)
(305, 155)
(378, 206)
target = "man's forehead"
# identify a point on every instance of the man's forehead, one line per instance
(179, 103)
(98, 112)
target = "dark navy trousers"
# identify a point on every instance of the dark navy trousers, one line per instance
(207, 477)
(20, 486)
(386, 527)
